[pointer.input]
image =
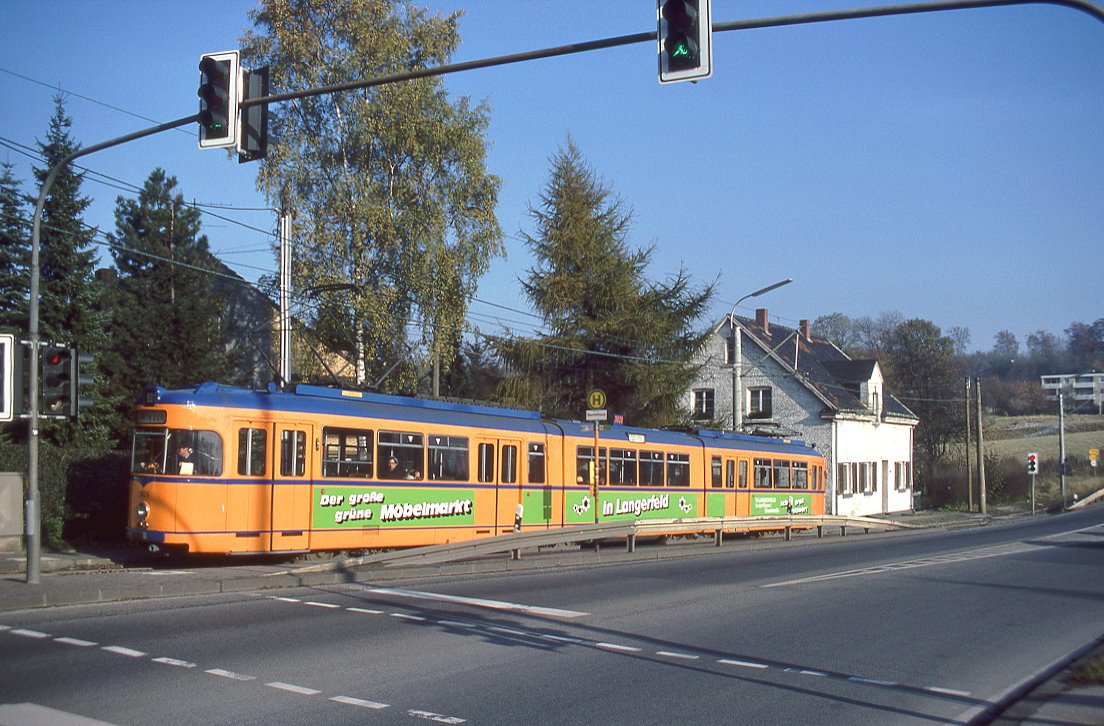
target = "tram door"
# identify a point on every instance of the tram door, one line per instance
(499, 464)
(292, 470)
(720, 496)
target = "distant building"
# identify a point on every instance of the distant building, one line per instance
(1080, 388)
(786, 382)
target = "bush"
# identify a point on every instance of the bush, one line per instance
(82, 492)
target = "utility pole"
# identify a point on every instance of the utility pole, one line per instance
(1062, 447)
(969, 473)
(980, 451)
(285, 295)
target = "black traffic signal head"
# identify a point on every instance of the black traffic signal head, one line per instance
(219, 91)
(57, 380)
(82, 378)
(685, 40)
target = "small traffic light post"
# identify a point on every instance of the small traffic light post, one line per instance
(1033, 470)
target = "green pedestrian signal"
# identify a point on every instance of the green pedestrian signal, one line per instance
(685, 40)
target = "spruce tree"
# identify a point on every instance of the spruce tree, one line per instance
(166, 321)
(15, 253)
(610, 327)
(70, 304)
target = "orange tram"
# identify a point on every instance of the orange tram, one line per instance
(218, 469)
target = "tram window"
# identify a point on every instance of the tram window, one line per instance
(406, 448)
(623, 467)
(509, 464)
(347, 452)
(293, 453)
(730, 474)
(252, 451)
(743, 474)
(715, 472)
(801, 475)
(486, 462)
(536, 463)
(762, 473)
(651, 468)
(194, 453)
(678, 470)
(148, 452)
(448, 458)
(584, 465)
(781, 474)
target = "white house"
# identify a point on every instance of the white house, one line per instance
(789, 383)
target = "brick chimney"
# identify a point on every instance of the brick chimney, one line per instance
(761, 320)
(806, 330)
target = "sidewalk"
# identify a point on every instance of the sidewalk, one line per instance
(101, 575)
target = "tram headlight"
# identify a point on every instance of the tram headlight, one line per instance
(142, 510)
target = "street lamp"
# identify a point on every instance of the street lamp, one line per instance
(737, 409)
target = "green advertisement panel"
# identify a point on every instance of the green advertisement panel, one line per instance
(579, 506)
(356, 507)
(538, 506)
(780, 505)
(715, 505)
(621, 505)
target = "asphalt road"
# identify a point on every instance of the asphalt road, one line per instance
(926, 628)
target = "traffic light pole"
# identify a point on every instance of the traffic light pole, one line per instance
(32, 508)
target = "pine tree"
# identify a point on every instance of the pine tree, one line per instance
(70, 304)
(166, 322)
(609, 326)
(15, 253)
(67, 311)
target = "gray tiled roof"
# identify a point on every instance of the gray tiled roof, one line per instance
(822, 367)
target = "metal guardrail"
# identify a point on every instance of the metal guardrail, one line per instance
(515, 542)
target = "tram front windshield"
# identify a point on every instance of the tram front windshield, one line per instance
(177, 451)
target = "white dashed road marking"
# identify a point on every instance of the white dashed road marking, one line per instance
(128, 652)
(291, 687)
(175, 662)
(229, 674)
(479, 602)
(75, 641)
(435, 717)
(359, 702)
(29, 633)
(743, 663)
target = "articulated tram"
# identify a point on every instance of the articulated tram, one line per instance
(219, 469)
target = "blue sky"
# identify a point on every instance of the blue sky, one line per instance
(948, 166)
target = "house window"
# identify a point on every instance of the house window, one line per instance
(730, 349)
(703, 403)
(844, 483)
(759, 402)
(902, 475)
